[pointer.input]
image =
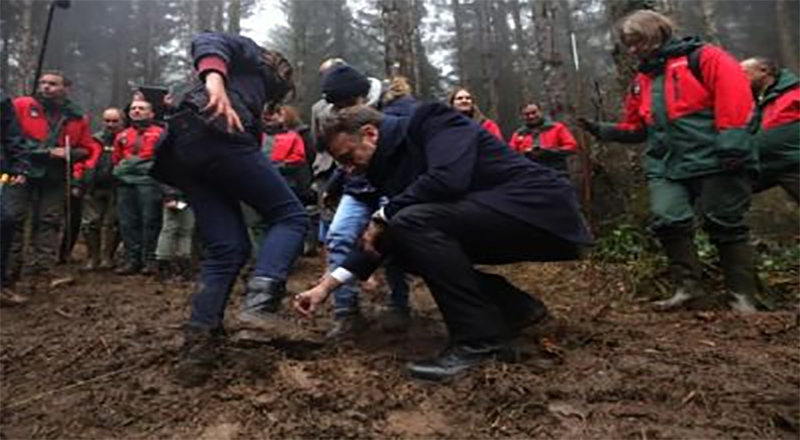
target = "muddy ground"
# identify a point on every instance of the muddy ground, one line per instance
(93, 360)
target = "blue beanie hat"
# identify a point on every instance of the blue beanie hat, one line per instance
(343, 83)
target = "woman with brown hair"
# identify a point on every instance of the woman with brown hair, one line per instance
(461, 100)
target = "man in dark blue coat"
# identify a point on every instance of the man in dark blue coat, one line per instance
(458, 197)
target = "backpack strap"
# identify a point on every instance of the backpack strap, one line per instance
(693, 59)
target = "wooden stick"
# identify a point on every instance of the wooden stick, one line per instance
(69, 387)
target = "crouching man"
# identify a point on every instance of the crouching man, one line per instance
(458, 197)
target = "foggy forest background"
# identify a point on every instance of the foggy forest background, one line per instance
(504, 51)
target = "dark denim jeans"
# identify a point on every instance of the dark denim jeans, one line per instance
(139, 212)
(215, 191)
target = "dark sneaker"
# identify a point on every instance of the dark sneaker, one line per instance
(394, 320)
(347, 326)
(198, 355)
(457, 359)
(128, 269)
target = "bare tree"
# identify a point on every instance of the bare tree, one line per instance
(783, 20)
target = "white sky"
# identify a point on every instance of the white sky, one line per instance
(267, 15)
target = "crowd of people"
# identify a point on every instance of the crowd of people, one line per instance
(378, 179)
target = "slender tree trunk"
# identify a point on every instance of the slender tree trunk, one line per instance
(789, 57)
(522, 54)
(546, 13)
(27, 54)
(234, 16)
(488, 66)
(219, 16)
(397, 17)
(710, 30)
(458, 18)
(339, 29)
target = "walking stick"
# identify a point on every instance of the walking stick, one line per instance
(586, 160)
(68, 157)
(62, 4)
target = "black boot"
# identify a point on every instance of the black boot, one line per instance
(741, 282)
(457, 359)
(183, 268)
(198, 355)
(684, 271)
(262, 301)
(165, 270)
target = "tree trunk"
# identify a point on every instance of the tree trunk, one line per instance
(339, 29)
(219, 16)
(458, 18)
(397, 17)
(786, 30)
(205, 15)
(546, 13)
(486, 51)
(522, 54)
(234, 16)
(710, 30)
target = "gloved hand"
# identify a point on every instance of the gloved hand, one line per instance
(590, 127)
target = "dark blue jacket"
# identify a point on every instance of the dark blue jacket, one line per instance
(445, 156)
(192, 142)
(403, 106)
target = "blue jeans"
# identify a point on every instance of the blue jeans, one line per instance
(215, 192)
(351, 218)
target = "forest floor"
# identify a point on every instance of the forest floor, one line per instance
(94, 359)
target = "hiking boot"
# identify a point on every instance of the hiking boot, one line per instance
(165, 270)
(91, 265)
(262, 301)
(457, 359)
(128, 269)
(184, 270)
(741, 282)
(198, 355)
(394, 320)
(686, 293)
(10, 298)
(150, 268)
(106, 265)
(347, 326)
(684, 269)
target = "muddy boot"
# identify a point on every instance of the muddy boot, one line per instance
(165, 270)
(347, 326)
(10, 298)
(183, 268)
(684, 271)
(198, 355)
(92, 239)
(741, 282)
(129, 269)
(394, 320)
(262, 301)
(150, 268)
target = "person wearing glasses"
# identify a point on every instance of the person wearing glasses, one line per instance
(461, 100)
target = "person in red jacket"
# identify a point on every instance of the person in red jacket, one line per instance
(62, 149)
(776, 125)
(542, 140)
(138, 195)
(461, 100)
(691, 102)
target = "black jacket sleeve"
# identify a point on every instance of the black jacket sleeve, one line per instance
(449, 143)
(235, 50)
(15, 155)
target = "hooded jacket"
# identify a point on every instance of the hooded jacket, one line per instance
(71, 127)
(690, 124)
(549, 144)
(777, 125)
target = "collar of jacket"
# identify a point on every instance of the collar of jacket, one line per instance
(654, 65)
(786, 80)
(546, 124)
(391, 138)
(68, 109)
